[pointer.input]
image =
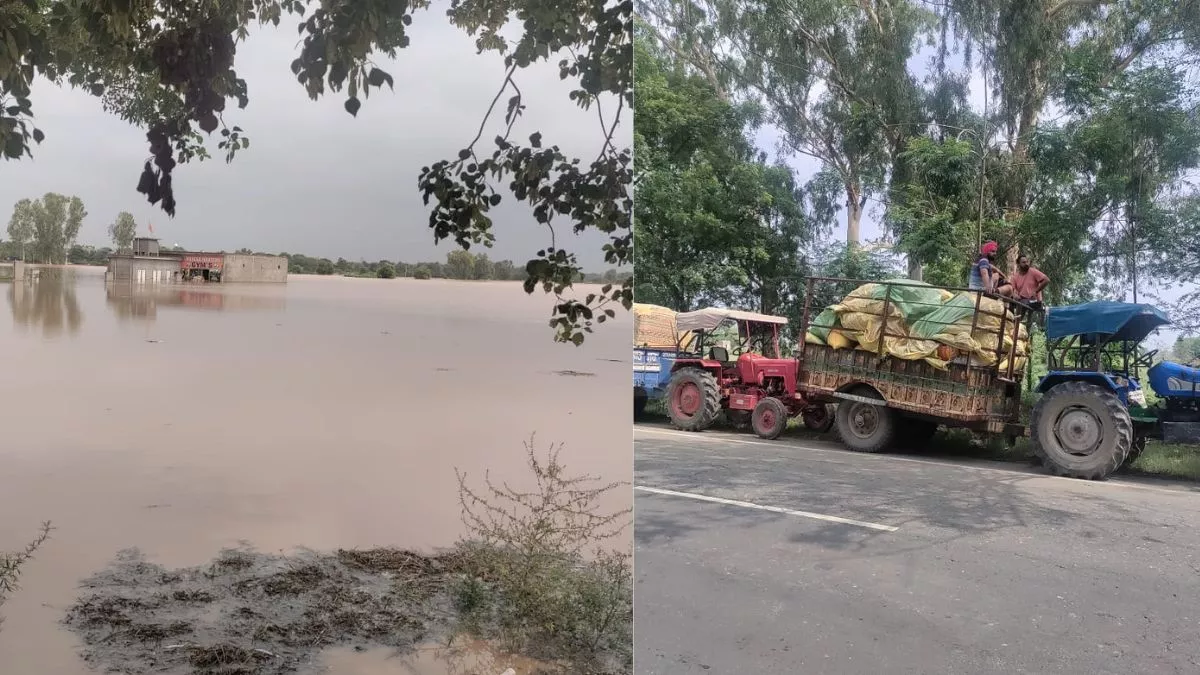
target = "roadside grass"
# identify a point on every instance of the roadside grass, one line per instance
(1167, 460)
(1160, 460)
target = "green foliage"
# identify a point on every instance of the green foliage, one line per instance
(716, 223)
(422, 272)
(833, 77)
(325, 268)
(386, 271)
(47, 226)
(122, 231)
(170, 68)
(1092, 195)
(89, 255)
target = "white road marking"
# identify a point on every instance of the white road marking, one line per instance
(772, 509)
(710, 436)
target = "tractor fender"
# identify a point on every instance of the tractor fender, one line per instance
(1055, 378)
(703, 364)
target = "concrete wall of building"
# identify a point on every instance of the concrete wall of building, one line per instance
(142, 270)
(241, 269)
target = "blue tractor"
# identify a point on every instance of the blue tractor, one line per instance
(1093, 416)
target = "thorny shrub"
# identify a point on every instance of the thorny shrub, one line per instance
(11, 564)
(539, 577)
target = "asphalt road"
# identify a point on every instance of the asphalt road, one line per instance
(943, 567)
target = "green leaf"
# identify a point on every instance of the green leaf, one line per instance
(352, 105)
(378, 78)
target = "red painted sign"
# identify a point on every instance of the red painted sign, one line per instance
(202, 262)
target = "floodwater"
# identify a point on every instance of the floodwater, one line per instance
(323, 413)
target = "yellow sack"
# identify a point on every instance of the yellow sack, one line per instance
(959, 340)
(839, 339)
(1018, 365)
(937, 363)
(860, 300)
(654, 326)
(982, 359)
(910, 349)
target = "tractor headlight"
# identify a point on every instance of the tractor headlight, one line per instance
(1137, 397)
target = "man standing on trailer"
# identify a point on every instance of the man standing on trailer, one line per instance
(1028, 283)
(984, 274)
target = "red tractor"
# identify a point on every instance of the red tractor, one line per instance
(755, 385)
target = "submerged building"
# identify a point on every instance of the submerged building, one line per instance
(149, 263)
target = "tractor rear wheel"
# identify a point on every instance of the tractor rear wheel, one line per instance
(818, 418)
(769, 419)
(693, 399)
(865, 427)
(1081, 430)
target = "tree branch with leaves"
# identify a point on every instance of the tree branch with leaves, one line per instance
(169, 67)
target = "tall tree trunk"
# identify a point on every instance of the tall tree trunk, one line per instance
(915, 271)
(854, 210)
(1015, 200)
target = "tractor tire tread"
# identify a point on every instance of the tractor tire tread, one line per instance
(781, 414)
(1112, 406)
(707, 415)
(881, 442)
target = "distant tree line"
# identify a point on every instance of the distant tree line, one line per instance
(461, 265)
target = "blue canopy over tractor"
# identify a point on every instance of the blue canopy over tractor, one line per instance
(1111, 320)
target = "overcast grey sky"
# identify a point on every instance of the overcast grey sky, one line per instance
(315, 180)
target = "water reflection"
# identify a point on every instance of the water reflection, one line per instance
(48, 302)
(141, 301)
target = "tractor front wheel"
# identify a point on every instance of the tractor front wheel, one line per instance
(693, 399)
(769, 419)
(865, 427)
(818, 418)
(1081, 430)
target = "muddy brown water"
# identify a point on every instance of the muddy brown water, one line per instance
(325, 413)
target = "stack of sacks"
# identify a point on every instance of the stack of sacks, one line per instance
(654, 327)
(924, 323)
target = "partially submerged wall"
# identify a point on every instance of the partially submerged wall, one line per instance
(142, 270)
(240, 269)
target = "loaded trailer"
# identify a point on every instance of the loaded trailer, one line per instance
(895, 360)
(901, 358)
(875, 364)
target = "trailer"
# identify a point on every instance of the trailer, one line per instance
(656, 341)
(651, 375)
(933, 357)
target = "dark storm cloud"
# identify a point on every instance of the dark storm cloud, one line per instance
(314, 179)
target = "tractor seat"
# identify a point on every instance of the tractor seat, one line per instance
(719, 354)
